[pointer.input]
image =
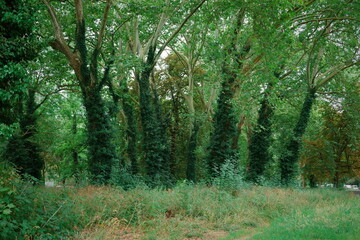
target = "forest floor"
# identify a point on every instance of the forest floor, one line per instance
(189, 212)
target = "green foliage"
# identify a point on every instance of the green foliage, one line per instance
(17, 46)
(230, 178)
(332, 154)
(126, 179)
(28, 212)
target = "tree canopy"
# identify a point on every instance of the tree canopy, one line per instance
(155, 92)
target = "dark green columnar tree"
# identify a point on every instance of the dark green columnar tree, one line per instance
(21, 150)
(220, 149)
(132, 132)
(260, 142)
(101, 148)
(155, 142)
(224, 122)
(291, 156)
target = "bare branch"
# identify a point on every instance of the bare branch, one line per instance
(177, 30)
(103, 25)
(331, 73)
(326, 19)
(59, 44)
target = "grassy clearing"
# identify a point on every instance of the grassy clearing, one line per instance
(198, 212)
(193, 212)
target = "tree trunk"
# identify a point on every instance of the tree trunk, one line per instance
(155, 144)
(259, 145)
(220, 149)
(101, 150)
(174, 128)
(131, 128)
(290, 157)
(75, 154)
(191, 164)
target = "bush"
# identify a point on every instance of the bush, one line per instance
(30, 211)
(230, 177)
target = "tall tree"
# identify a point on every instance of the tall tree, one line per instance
(155, 141)
(17, 100)
(220, 149)
(259, 155)
(324, 37)
(86, 67)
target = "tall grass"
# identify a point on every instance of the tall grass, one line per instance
(211, 213)
(186, 212)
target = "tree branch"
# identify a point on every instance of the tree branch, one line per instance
(95, 55)
(332, 73)
(177, 31)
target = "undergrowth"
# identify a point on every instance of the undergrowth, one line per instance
(185, 211)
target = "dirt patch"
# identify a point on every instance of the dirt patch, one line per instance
(215, 234)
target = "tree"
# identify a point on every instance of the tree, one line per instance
(333, 156)
(86, 67)
(155, 141)
(322, 65)
(221, 147)
(259, 155)
(17, 99)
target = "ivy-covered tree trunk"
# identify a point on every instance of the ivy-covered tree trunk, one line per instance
(191, 163)
(155, 143)
(21, 150)
(220, 149)
(174, 130)
(101, 150)
(131, 130)
(259, 145)
(75, 154)
(100, 135)
(291, 155)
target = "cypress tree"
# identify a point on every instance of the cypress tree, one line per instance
(291, 155)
